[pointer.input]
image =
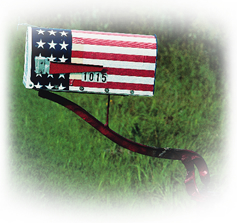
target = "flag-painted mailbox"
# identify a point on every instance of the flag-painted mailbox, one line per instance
(91, 62)
(106, 63)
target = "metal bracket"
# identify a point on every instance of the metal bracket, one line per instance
(42, 65)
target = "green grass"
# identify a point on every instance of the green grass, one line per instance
(55, 155)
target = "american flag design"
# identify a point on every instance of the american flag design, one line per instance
(90, 62)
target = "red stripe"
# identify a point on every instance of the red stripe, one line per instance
(113, 34)
(112, 56)
(130, 72)
(113, 85)
(117, 43)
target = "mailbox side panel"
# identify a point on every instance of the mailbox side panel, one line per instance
(130, 61)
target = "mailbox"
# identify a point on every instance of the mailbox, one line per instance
(90, 62)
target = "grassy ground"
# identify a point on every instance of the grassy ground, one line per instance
(54, 155)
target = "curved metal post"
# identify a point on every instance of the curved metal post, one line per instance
(188, 157)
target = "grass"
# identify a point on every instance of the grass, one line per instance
(57, 156)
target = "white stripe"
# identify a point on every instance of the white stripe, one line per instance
(111, 91)
(120, 79)
(76, 76)
(116, 64)
(114, 49)
(111, 37)
(130, 79)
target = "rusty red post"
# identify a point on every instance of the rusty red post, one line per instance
(189, 158)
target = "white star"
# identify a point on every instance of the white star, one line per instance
(40, 56)
(61, 75)
(40, 31)
(38, 85)
(50, 75)
(61, 87)
(52, 44)
(63, 33)
(49, 86)
(38, 75)
(51, 58)
(63, 45)
(40, 44)
(52, 32)
(63, 59)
